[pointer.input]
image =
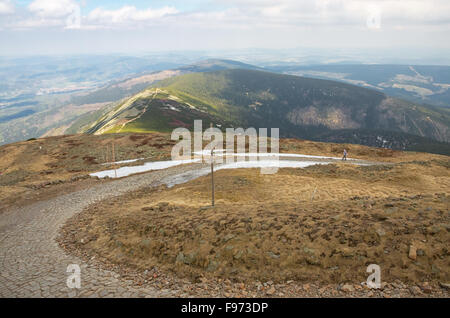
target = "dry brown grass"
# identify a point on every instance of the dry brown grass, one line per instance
(271, 227)
(27, 168)
(33, 170)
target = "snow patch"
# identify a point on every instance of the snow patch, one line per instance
(148, 166)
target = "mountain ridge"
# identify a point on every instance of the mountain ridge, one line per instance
(301, 107)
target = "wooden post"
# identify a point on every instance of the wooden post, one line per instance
(114, 159)
(314, 193)
(212, 174)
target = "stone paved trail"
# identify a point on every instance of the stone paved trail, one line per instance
(33, 265)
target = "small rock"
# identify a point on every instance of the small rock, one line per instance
(238, 255)
(271, 291)
(162, 206)
(348, 288)
(427, 288)
(312, 260)
(412, 252)
(228, 237)
(273, 255)
(309, 251)
(347, 252)
(415, 290)
(380, 232)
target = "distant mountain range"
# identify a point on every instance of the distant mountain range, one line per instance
(428, 84)
(28, 115)
(235, 94)
(238, 94)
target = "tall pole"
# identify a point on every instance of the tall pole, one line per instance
(114, 159)
(212, 174)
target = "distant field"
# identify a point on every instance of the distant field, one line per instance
(428, 84)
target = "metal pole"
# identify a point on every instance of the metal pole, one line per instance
(212, 174)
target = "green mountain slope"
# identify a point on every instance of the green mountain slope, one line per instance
(300, 107)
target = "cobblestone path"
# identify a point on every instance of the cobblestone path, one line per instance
(33, 265)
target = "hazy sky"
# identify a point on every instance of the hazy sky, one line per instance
(125, 26)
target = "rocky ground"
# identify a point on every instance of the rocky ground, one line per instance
(306, 247)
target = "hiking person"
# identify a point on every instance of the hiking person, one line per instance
(345, 155)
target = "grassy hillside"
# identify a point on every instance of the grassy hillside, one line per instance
(301, 107)
(273, 98)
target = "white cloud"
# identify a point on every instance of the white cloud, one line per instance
(244, 14)
(53, 8)
(6, 7)
(127, 15)
(346, 12)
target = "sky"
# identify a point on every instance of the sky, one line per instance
(30, 27)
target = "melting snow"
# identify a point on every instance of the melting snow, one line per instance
(148, 166)
(123, 161)
(262, 163)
